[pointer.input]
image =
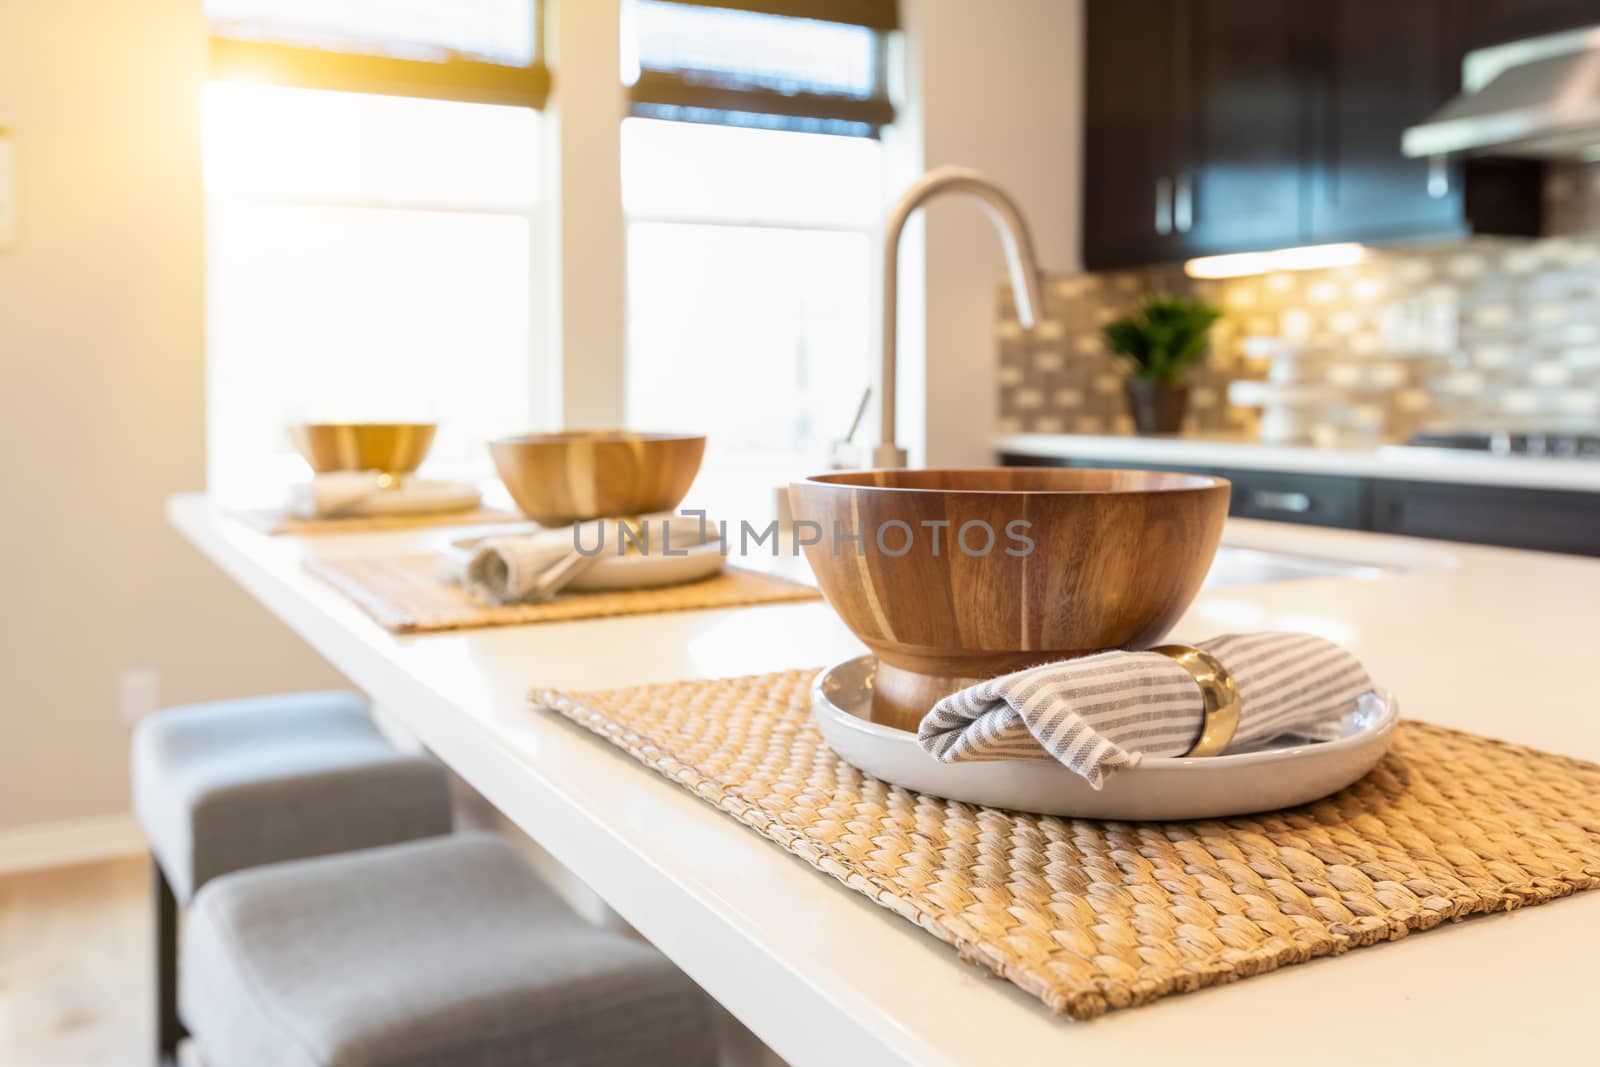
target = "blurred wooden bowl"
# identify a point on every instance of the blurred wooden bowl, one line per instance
(1115, 559)
(389, 447)
(561, 478)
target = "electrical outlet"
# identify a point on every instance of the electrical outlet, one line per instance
(141, 694)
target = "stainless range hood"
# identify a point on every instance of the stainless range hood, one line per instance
(1537, 98)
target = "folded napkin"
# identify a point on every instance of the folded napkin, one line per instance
(342, 494)
(1104, 712)
(336, 493)
(534, 568)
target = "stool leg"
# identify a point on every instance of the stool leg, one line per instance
(169, 1031)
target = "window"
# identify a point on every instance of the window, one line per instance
(371, 255)
(753, 188)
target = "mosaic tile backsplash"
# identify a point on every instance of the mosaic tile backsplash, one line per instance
(1485, 333)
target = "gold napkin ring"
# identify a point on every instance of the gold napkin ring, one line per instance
(1219, 695)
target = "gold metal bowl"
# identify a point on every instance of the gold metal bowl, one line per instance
(389, 447)
(560, 478)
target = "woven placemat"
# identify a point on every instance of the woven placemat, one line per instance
(1089, 916)
(408, 594)
(275, 521)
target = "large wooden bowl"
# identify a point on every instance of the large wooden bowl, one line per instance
(390, 447)
(560, 478)
(1115, 559)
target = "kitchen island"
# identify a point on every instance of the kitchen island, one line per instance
(1494, 641)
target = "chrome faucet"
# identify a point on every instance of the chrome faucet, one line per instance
(1020, 264)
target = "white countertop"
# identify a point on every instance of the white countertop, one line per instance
(1489, 640)
(1387, 461)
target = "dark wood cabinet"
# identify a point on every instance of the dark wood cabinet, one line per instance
(1241, 170)
(1491, 22)
(1272, 125)
(1488, 515)
(1384, 66)
(1132, 126)
(1190, 126)
(1312, 499)
(1549, 520)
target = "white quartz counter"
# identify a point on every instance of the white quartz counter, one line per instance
(1484, 639)
(1391, 461)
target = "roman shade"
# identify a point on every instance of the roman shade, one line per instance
(873, 14)
(808, 65)
(487, 52)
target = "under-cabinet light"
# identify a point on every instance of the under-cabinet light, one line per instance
(1309, 257)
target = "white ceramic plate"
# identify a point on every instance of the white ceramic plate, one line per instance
(1279, 775)
(617, 572)
(416, 496)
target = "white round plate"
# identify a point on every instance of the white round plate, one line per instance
(414, 496)
(1276, 776)
(629, 571)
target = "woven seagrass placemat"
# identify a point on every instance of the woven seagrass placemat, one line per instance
(407, 594)
(275, 521)
(1089, 916)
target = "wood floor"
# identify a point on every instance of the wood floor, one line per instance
(75, 966)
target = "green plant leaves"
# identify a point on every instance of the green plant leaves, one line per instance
(1164, 337)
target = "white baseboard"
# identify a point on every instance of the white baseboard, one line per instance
(58, 844)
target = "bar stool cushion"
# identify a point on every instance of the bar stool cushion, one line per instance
(440, 952)
(238, 783)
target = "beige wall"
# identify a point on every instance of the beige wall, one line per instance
(101, 405)
(1001, 90)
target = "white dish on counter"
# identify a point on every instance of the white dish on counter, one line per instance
(1281, 774)
(611, 572)
(411, 496)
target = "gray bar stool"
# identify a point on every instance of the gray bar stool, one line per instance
(438, 953)
(239, 783)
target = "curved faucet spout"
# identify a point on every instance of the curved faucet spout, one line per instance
(1020, 265)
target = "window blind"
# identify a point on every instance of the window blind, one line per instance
(477, 51)
(810, 65)
(873, 14)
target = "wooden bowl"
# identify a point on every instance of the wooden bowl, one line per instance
(561, 478)
(390, 447)
(1101, 559)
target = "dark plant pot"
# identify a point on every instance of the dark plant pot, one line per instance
(1157, 407)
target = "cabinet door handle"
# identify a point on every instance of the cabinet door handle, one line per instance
(1267, 500)
(1163, 206)
(1438, 177)
(1183, 205)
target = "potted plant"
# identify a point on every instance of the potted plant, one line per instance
(1162, 340)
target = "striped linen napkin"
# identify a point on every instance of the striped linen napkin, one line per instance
(1104, 712)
